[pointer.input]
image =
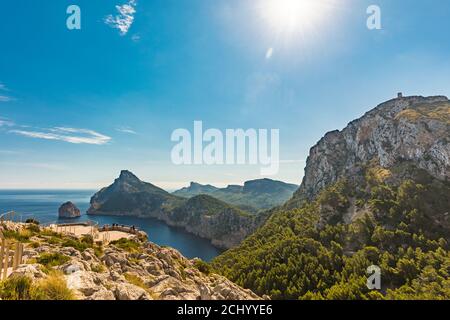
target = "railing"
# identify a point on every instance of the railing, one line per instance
(122, 228)
(13, 216)
(98, 234)
(8, 216)
(9, 261)
(70, 228)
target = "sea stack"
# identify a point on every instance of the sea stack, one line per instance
(69, 210)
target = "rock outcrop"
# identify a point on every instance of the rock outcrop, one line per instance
(69, 211)
(414, 129)
(114, 272)
(226, 226)
(375, 193)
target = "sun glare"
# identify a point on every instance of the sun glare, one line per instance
(292, 16)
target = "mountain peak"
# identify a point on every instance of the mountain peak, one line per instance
(128, 175)
(194, 184)
(413, 129)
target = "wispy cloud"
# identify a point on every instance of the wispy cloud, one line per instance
(126, 130)
(124, 19)
(6, 99)
(3, 97)
(6, 122)
(71, 135)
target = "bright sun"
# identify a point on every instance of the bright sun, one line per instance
(292, 16)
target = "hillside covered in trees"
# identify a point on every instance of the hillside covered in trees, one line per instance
(375, 193)
(311, 253)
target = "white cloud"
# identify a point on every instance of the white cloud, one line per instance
(136, 38)
(269, 53)
(124, 19)
(126, 130)
(6, 122)
(71, 135)
(4, 98)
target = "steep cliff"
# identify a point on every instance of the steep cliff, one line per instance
(415, 129)
(213, 219)
(205, 216)
(376, 193)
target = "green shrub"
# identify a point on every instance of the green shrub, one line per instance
(22, 235)
(50, 233)
(54, 240)
(127, 245)
(32, 221)
(98, 267)
(35, 245)
(202, 266)
(16, 288)
(87, 239)
(136, 280)
(52, 259)
(54, 287)
(78, 245)
(98, 250)
(33, 228)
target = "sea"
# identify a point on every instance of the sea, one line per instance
(43, 205)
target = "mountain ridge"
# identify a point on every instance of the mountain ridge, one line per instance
(254, 195)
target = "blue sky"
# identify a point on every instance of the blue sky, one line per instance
(226, 63)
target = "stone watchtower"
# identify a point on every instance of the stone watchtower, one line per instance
(399, 95)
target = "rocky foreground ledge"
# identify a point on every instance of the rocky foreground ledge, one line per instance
(128, 269)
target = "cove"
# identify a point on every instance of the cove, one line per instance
(43, 205)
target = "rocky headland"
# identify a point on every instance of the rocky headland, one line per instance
(128, 269)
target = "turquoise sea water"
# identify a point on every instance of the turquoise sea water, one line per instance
(43, 205)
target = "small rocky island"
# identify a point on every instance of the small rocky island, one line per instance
(69, 210)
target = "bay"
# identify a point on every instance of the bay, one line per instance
(43, 205)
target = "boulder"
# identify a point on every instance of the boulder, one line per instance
(126, 291)
(33, 271)
(69, 210)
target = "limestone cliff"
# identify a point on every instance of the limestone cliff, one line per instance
(414, 129)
